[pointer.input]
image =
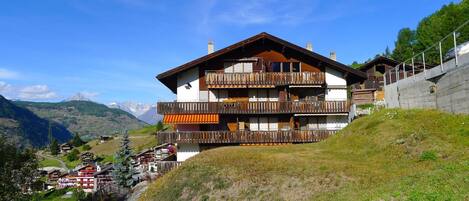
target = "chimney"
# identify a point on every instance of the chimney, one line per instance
(333, 56)
(309, 46)
(210, 47)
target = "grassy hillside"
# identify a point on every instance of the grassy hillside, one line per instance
(87, 118)
(139, 139)
(392, 154)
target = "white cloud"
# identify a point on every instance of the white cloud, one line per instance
(89, 94)
(8, 74)
(35, 92)
(4, 87)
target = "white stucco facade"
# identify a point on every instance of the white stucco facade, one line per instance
(188, 86)
(186, 151)
(336, 85)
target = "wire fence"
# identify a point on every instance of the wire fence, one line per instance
(444, 54)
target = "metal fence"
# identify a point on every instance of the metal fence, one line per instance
(442, 54)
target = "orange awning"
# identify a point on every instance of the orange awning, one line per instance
(191, 119)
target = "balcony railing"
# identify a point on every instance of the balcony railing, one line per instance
(207, 137)
(216, 79)
(261, 107)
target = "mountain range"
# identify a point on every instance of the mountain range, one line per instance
(87, 118)
(25, 128)
(144, 112)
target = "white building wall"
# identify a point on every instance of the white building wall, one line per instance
(187, 93)
(336, 122)
(336, 85)
(186, 151)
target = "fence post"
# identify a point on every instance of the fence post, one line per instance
(455, 49)
(424, 69)
(384, 77)
(405, 72)
(441, 56)
(397, 74)
(413, 68)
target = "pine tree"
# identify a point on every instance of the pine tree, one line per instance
(77, 141)
(54, 147)
(160, 126)
(123, 169)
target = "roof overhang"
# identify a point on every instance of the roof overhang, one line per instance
(352, 75)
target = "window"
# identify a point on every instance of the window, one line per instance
(275, 66)
(296, 67)
(286, 66)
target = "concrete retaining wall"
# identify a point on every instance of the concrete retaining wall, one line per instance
(446, 89)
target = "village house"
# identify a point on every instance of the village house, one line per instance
(67, 180)
(87, 157)
(104, 181)
(53, 176)
(262, 90)
(65, 148)
(371, 89)
(104, 138)
(85, 177)
(147, 160)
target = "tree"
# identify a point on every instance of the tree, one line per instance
(86, 147)
(160, 126)
(404, 45)
(356, 65)
(54, 147)
(123, 169)
(73, 155)
(77, 141)
(18, 171)
(387, 52)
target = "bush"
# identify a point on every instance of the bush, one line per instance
(86, 147)
(73, 156)
(428, 156)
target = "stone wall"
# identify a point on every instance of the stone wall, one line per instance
(444, 88)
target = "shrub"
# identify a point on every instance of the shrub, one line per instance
(86, 147)
(73, 156)
(428, 156)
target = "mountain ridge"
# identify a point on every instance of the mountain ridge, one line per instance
(88, 119)
(25, 128)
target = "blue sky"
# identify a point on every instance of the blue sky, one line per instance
(111, 50)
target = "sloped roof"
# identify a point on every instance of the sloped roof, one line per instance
(163, 77)
(378, 60)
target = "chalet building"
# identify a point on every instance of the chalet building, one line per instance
(65, 148)
(87, 157)
(53, 176)
(260, 90)
(104, 181)
(68, 180)
(85, 177)
(372, 89)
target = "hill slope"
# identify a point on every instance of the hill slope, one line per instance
(392, 154)
(85, 117)
(25, 128)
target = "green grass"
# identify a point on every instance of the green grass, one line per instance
(70, 164)
(389, 155)
(47, 162)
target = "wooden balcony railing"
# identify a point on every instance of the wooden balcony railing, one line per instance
(262, 79)
(207, 137)
(261, 107)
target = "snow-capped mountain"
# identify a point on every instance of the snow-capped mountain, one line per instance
(144, 112)
(78, 97)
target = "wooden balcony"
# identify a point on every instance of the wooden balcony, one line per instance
(261, 107)
(244, 137)
(218, 79)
